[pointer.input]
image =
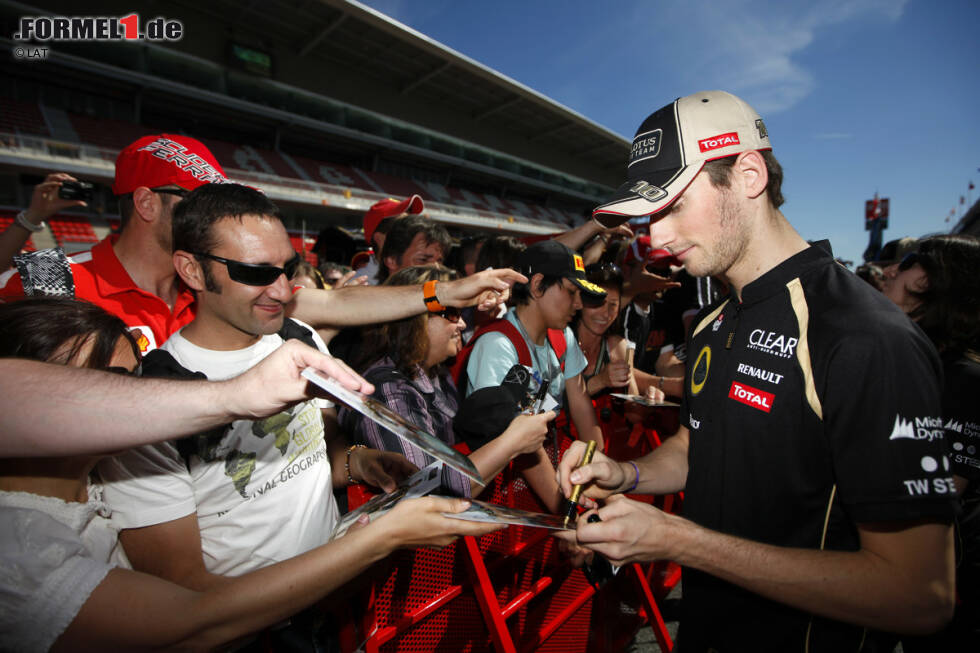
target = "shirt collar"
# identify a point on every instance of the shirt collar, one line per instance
(110, 275)
(773, 281)
(112, 278)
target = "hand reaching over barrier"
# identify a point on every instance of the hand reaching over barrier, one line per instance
(34, 425)
(419, 522)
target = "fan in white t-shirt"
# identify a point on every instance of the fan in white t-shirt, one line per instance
(239, 498)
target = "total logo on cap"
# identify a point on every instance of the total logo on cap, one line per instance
(165, 160)
(673, 144)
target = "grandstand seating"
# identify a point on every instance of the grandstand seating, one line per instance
(26, 118)
(115, 134)
(75, 229)
(22, 118)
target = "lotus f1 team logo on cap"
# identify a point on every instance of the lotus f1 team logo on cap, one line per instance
(646, 145)
(579, 263)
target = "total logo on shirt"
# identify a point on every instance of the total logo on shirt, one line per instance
(746, 394)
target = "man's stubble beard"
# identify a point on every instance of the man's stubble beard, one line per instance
(728, 246)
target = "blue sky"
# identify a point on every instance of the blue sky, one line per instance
(858, 96)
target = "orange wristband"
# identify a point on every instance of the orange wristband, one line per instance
(429, 294)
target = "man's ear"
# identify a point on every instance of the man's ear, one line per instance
(189, 269)
(752, 173)
(146, 204)
(535, 284)
(391, 263)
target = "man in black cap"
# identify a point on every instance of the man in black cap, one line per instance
(818, 492)
(538, 326)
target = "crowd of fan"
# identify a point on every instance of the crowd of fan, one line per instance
(226, 531)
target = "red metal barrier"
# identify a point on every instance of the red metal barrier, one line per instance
(508, 591)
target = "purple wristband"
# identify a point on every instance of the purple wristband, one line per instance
(636, 480)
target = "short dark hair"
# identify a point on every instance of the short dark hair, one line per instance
(403, 232)
(404, 340)
(499, 252)
(55, 329)
(383, 227)
(195, 217)
(720, 170)
(126, 208)
(466, 251)
(520, 293)
(950, 309)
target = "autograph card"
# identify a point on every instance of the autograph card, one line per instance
(643, 401)
(378, 412)
(495, 514)
(418, 484)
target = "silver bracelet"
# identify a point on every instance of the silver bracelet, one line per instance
(22, 220)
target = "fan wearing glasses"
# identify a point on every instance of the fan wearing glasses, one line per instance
(131, 273)
(268, 481)
(72, 584)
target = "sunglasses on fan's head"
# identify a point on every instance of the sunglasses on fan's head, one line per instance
(911, 259)
(254, 274)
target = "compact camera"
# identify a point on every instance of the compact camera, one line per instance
(76, 190)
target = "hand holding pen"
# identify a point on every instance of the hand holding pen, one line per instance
(573, 499)
(599, 478)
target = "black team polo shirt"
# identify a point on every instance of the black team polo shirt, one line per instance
(813, 405)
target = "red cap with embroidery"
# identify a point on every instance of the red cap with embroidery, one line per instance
(389, 208)
(166, 160)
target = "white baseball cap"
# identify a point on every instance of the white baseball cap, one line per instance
(674, 143)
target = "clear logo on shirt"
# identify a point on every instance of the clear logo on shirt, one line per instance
(773, 343)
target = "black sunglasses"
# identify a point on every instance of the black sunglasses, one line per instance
(911, 259)
(254, 274)
(450, 313)
(594, 268)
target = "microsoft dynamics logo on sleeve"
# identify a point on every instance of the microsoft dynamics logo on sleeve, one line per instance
(922, 428)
